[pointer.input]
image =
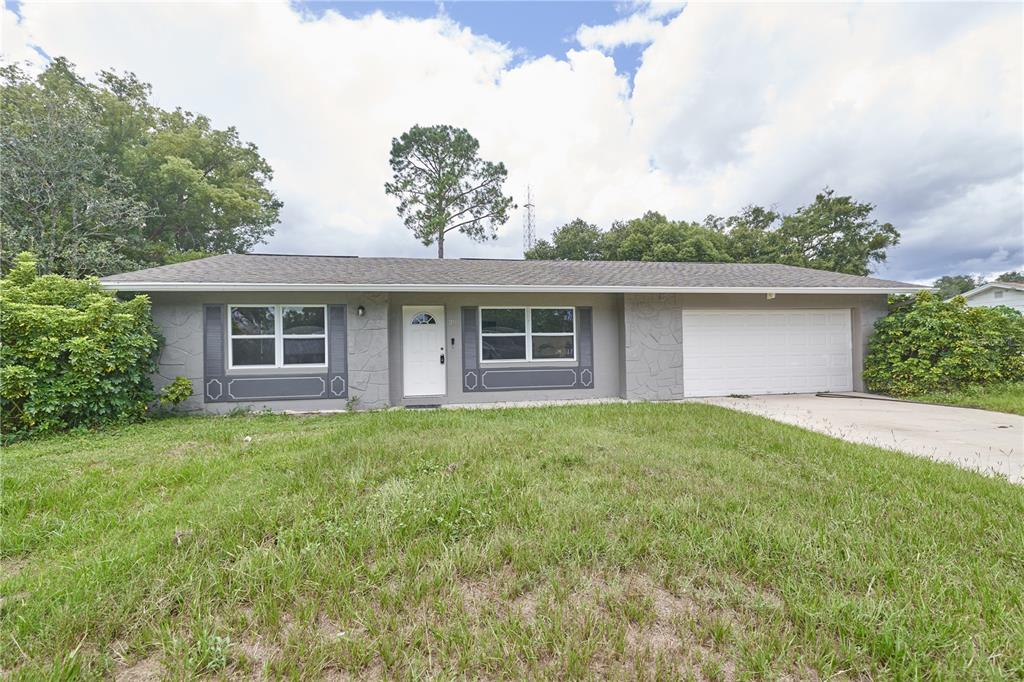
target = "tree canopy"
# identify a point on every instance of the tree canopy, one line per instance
(949, 286)
(653, 237)
(832, 233)
(97, 179)
(442, 185)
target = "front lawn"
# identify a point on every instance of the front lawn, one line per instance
(998, 397)
(621, 540)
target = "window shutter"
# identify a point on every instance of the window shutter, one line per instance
(214, 361)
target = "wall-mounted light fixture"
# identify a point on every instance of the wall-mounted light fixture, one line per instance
(771, 295)
(360, 311)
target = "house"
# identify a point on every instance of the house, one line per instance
(997, 293)
(315, 332)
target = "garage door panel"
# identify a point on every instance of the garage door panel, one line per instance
(778, 351)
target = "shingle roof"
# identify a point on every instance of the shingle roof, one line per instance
(257, 271)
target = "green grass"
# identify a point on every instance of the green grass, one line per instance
(998, 397)
(623, 541)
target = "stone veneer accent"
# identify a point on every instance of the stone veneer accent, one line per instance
(182, 352)
(368, 351)
(653, 347)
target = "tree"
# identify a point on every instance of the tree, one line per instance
(206, 187)
(60, 196)
(442, 185)
(949, 286)
(752, 236)
(576, 240)
(835, 233)
(1012, 276)
(192, 187)
(653, 237)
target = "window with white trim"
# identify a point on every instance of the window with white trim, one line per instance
(999, 293)
(277, 336)
(527, 334)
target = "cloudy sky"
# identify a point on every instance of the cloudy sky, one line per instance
(605, 109)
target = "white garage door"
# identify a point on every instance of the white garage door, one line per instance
(766, 351)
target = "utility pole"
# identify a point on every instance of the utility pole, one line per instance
(529, 223)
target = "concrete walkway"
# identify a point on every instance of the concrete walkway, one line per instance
(991, 442)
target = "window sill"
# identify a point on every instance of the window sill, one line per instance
(283, 371)
(527, 364)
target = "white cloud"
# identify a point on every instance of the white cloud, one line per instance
(916, 108)
(643, 23)
(638, 28)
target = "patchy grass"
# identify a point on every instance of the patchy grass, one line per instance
(641, 541)
(998, 397)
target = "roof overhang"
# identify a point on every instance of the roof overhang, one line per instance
(488, 288)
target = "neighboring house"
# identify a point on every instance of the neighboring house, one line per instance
(997, 293)
(313, 332)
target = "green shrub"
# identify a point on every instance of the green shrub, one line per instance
(72, 354)
(176, 392)
(926, 344)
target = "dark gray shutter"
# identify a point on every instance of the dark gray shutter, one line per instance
(337, 350)
(470, 352)
(585, 336)
(214, 361)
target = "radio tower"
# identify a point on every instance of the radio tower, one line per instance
(529, 226)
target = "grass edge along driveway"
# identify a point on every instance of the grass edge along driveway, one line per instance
(1006, 397)
(625, 540)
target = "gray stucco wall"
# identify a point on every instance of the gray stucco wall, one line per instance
(607, 314)
(180, 318)
(653, 325)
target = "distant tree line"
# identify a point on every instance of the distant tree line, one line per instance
(97, 179)
(832, 233)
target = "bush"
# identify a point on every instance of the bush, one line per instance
(926, 344)
(176, 392)
(72, 354)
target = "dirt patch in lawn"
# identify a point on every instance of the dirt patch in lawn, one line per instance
(498, 594)
(12, 566)
(144, 670)
(648, 628)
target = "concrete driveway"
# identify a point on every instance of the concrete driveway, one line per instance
(991, 442)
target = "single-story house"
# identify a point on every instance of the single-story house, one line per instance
(315, 332)
(997, 293)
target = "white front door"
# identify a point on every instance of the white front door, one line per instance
(766, 351)
(423, 350)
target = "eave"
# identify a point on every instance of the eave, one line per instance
(143, 286)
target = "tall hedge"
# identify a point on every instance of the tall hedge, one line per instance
(71, 354)
(926, 344)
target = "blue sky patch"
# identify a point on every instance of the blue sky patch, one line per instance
(531, 29)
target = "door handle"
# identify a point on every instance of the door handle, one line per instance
(442, 356)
